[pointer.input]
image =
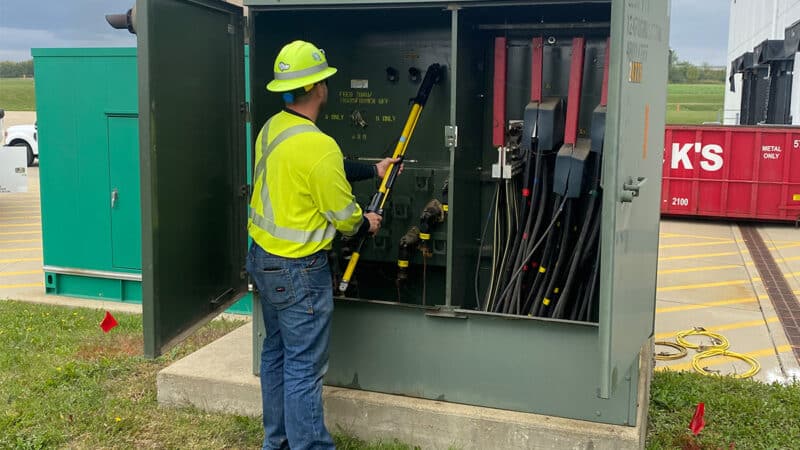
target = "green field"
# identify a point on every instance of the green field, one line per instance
(686, 103)
(695, 103)
(16, 94)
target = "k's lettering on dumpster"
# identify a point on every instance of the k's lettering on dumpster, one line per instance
(709, 157)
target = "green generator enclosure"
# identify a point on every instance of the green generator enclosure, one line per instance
(551, 110)
(88, 125)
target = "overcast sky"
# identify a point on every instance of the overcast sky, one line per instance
(699, 30)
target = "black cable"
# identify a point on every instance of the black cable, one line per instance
(561, 304)
(480, 254)
(507, 266)
(528, 234)
(556, 215)
(589, 314)
(580, 307)
(527, 205)
(555, 273)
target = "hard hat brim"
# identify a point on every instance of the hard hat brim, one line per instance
(290, 85)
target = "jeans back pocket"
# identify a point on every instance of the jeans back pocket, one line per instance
(277, 287)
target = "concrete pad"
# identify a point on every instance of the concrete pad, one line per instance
(218, 378)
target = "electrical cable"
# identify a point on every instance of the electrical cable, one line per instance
(537, 278)
(563, 248)
(719, 341)
(561, 303)
(526, 236)
(490, 290)
(755, 367)
(480, 252)
(664, 356)
(586, 309)
(535, 247)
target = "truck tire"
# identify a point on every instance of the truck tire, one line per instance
(29, 150)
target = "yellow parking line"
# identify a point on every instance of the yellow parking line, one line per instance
(693, 236)
(714, 255)
(15, 260)
(20, 210)
(727, 327)
(23, 272)
(23, 249)
(696, 244)
(690, 307)
(699, 269)
(23, 285)
(722, 360)
(715, 284)
(20, 217)
(725, 267)
(8, 233)
(702, 285)
(693, 306)
(6, 241)
(22, 224)
(697, 256)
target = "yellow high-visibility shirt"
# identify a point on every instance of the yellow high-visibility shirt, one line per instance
(301, 196)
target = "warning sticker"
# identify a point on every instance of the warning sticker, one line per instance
(796, 197)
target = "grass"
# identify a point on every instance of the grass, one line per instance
(686, 103)
(694, 103)
(745, 413)
(17, 94)
(64, 383)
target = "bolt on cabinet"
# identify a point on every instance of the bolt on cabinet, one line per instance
(580, 78)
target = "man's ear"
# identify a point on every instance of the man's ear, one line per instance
(319, 93)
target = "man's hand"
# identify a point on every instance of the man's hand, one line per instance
(374, 222)
(383, 166)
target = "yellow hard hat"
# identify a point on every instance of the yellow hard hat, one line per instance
(299, 64)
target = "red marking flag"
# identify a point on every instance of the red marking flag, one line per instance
(698, 422)
(108, 322)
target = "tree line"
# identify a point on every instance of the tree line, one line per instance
(679, 71)
(11, 69)
(686, 72)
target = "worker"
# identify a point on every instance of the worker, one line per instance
(301, 198)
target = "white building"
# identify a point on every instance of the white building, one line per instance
(751, 23)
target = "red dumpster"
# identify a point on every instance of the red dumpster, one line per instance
(732, 172)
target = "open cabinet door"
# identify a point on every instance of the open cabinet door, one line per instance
(632, 170)
(193, 159)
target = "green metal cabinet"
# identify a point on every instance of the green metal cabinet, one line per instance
(87, 108)
(383, 340)
(87, 123)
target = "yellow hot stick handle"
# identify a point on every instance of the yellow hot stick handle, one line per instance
(348, 273)
(402, 143)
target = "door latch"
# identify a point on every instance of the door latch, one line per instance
(630, 190)
(451, 136)
(114, 197)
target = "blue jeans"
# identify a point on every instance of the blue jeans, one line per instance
(297, 300)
